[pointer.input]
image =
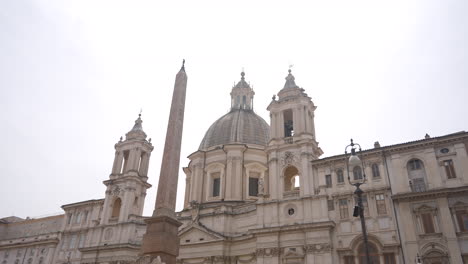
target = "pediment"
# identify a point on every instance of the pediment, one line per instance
(424, 207)
(195, 233)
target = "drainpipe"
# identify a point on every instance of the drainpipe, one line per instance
(394, 210)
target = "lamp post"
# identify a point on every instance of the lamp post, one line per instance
(352, 162)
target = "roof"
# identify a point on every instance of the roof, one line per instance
(238, 126)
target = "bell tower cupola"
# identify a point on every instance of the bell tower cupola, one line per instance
(242, 95)
(128, 181)
(292, 115)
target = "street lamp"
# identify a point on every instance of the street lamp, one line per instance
(352, 162)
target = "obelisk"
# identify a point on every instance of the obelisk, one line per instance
(161, 232)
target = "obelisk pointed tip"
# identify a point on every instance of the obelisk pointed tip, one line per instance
(183, 65)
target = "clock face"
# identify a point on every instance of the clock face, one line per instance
(444, 150)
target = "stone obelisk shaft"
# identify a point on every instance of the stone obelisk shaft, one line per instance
(167, 187)
(161, 238)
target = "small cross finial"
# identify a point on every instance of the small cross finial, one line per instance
(290, 67)
(141, 110)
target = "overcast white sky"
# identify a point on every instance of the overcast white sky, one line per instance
(74, 75)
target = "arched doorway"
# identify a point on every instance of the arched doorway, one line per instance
(373, 253)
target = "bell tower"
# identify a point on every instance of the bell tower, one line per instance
(128, 181)
(292, 142)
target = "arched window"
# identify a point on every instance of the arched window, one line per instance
(339, 176)
(116, 208)
(357, 173)
(416, 175)
(291, 179)
(375, 171)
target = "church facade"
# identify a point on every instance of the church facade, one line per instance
(260, 193)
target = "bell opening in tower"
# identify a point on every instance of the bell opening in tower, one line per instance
(288, 123)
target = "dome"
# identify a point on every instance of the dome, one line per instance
(238, 126)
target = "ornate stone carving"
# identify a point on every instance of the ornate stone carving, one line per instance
(116, 191)
(288, 158)
(317, 248)
(148, 260)
(260, 252)
(269, 252)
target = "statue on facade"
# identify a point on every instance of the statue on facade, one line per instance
(261, 186)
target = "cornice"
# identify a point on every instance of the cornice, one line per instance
(431, 194)
(111, 247)
(287, 228)
(53, 240)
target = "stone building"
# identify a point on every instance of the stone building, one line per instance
(260, 193)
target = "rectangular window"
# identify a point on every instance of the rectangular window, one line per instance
(349, 260)
(449, 169)
(331, 205)
(253, 186)
(428, 223)
(216, 186)
(339, 176)
(72, 242)
(344, 212)
(389, 258)
(328, 180)
(380, 204)
(82, 240)
(462, 219)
